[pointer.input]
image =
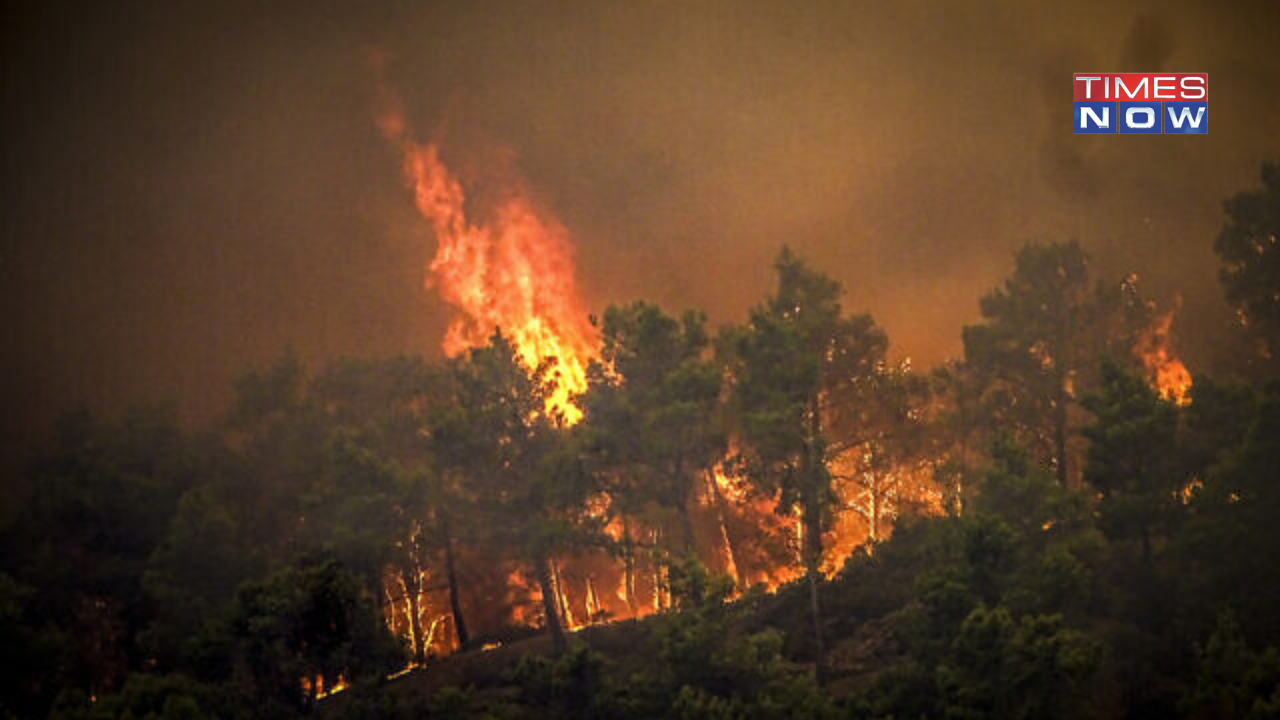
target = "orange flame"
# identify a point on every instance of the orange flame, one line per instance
(513, 271)
(1165, 371)
(316, 687)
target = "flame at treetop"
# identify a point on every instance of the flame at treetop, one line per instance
(513, 271)
(1166, 373)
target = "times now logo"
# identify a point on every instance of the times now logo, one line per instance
(1142, 103)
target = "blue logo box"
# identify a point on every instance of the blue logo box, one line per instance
(1141, 118)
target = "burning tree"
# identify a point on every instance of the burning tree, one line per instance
(385, 510)
(529, 490)
(1038, 349)
(1032, 346)
(789, 364)
(651, 412)
(882, 449)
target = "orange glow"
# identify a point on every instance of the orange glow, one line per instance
(317, 689)
(1187, 492)
(1165, 371)
(873, 498)
(761, 514)
(513, 270)
(432, 608)
(524, 613)
(728, 560)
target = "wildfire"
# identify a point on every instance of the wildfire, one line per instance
(505, 264)
(513, 270)
(1165, 371)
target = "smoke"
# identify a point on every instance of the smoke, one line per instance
(1149, 45)
(1064, 159)
(192, 190)
(1071, 167)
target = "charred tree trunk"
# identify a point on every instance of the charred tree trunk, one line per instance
(629, 567)
(659, 562)
(455, 601)
(812, 563)
(686, 529)
(1060, 428)
(682, 499)
(811, 498)
(960, 472)
(1062, 340)
(549, 602)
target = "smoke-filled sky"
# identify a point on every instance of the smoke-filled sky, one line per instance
(188, 192)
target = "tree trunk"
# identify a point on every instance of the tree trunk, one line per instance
(1060, 428)
(684, 497)
(812, 472)
(629, 568)
(411, 581)
(812, 562)
(593, 607)
(656, 554)
(562, 595)
(686, 529)
(740, 573)
(549, 601)
(455, 602)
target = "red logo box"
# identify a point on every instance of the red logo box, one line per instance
(1147, 87)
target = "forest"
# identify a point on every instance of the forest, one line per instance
(764, 520)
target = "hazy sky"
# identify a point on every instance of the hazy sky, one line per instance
(188, 192)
